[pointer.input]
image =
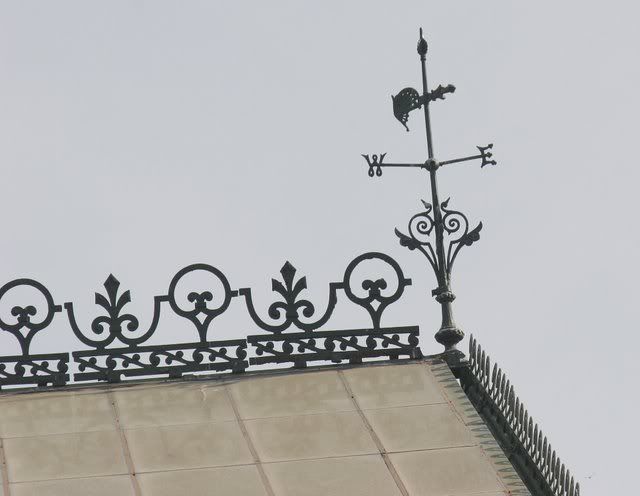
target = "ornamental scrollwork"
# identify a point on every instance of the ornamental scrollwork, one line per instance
(116, 324)
(25, 316)
(205, 305)
(379, 294)
(367, 288)
(421, 235)
(27, 320)
(116, 346)
(291, 307)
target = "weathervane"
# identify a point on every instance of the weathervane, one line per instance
(449, 227)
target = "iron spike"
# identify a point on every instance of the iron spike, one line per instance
(472, 355)
(505, 392)
(487, 369)
(547, 458)
(539, 443)
(494, 376)
(521, 420)
(572, 487)
(476, 359)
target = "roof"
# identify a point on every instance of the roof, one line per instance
(374, 429)
(123, 410)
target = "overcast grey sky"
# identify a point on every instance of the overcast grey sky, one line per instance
(137, 137)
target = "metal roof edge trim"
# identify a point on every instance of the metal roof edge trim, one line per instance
(523, 442)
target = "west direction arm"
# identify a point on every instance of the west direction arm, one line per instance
(376, 163)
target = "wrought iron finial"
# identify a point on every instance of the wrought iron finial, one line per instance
(422, 45)
(438, 232)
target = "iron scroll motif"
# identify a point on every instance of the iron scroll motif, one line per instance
(291, 307)
(421, 236)
(114, 345)
(27, 368)
(310, 345)
(111, 364)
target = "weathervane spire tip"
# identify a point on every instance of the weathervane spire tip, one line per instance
(422, 45)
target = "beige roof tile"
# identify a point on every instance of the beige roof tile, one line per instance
(44, 413)
(95, 486)
(291, 394)
(189, 446)
(64, 456)
(225, 481)
(443, 472)
(171, 404)
(310, 436)
(394, 385)
(419, 427)
(350, 476)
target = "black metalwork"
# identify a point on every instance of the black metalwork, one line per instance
(409, 99)
(27, 368)
(117, 347)
(448, 227)
(456, 235)
(312, 345)
(134, 359)
(522, 440)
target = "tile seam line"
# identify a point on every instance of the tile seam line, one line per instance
(4, 469)
(93, 431)
(247, 419)
(124, 445)
(191, 469)
(353, 455)
(325, 412)
(254, 453)
(392, 469)
(102, 476)
(84, 477)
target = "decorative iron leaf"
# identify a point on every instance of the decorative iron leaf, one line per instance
(472, 236)
(407, 241)
(299, 286)
(278, 287)
(288, 272)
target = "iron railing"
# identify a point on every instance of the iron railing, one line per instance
(114, 346)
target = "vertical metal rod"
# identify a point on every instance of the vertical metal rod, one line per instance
(449, 334)
(422, 50)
